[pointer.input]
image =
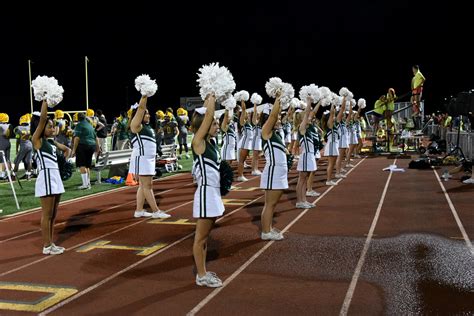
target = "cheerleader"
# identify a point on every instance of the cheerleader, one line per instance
(315, 135)
(208, 204)
(331, 149)
(49, 185)
(143, 160)
(246, 142)
(257, 141)
(307, 161)
(343, 141)
(229, 138)
(287, 126)
(274, 178)
(353, 140)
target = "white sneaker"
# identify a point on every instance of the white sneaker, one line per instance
(330, 182)
(300, 205)
(84, 187)
(51, 250)
(343, 170)
(312, 193)
(256, 173)
(58, 247)
(160, 214)
(349, 165)
(142, 213)
(309, 205)
(242, 179)
(210, 279)
(469, 181)
(340, 176)
(273, 234)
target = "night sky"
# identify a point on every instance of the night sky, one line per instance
(367, 46)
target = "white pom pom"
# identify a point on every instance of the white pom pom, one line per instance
(353, 103)
(295, 102)
(216, 80)
(344, 92)
(229, 103)
(287, 93)
(325, 102)
(267, 108)
(256, 98)
(311, 92)
(241, 96)
(303, 105)
(361, 103)
(47, 88)
(324, 92)
(273, 85)
(145, 85)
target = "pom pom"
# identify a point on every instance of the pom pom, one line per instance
(344, 92)
(201, 110)
(227, 177)
(216, 80)
(47, 88)
(361, 103)
(267, 108)
(287, 93)
(229, 103)
(273, 86)
(353, 103)
(294, 103)
(145, 85)
(324, 92)
(325, 102)
(256, 98)
(303, 105)
(311, 92)
(241, 96)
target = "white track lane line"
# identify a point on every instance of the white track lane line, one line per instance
(38, 209)
(216, 291)
(455, 214)
(360, 263)
(101, 211)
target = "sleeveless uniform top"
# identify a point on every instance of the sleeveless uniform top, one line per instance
(274, 150)
(206, 166)
(307, 140)
(46, 156)
(229, 136)
(144, 143)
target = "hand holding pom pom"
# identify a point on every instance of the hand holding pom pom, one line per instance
(145, 85)
(256, 99)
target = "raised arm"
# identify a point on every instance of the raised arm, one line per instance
(136, 124)
(199, 139)
(341, 110)
(254, 115)
(331, 117)
(315, 110)
(36, 138)
(304, 122)
(243, 114)
(267, 128)
(225, 121)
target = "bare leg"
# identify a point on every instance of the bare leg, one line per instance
(331, 163)
(140, 198)
(203, 228)
(255, 155)
(145, 185)
(271, 199)
(340, 158)
(240, 169)
(301, 187)
(47, 205)
(309, 183)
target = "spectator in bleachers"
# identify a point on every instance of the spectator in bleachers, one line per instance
(85, 144)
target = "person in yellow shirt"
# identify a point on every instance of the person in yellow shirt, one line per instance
(379, 110)
(416, 90)
(390, 97)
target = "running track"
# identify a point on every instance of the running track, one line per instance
(377, 243)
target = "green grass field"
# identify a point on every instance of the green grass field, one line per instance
(26, 196)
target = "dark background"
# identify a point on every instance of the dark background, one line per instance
(367, 46)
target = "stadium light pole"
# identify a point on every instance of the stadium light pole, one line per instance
(87, 84)
(31, 88)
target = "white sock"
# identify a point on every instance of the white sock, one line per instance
(84, 179)
(88, 178)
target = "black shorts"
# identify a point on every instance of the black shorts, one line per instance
(84, 155)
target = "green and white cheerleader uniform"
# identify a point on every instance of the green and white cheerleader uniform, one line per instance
(353, 139)
(332, 144)
(143, 160)
(275, 173)
(307, 161)
(49, 179)
(228, 147)
(343, 135)
(246, 141)
(257, 138)
(207, 198)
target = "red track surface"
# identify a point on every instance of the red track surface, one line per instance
(415, 262)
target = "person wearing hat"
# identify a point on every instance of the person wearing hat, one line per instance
(160, 120)
(6, 131)
(23, 143)
(62, 129)
(183, 125)
(84, 145)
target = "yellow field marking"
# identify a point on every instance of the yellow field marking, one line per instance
(105, 244)
(235, 201)
(240, 189)
(181, 221)
(57, 295)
